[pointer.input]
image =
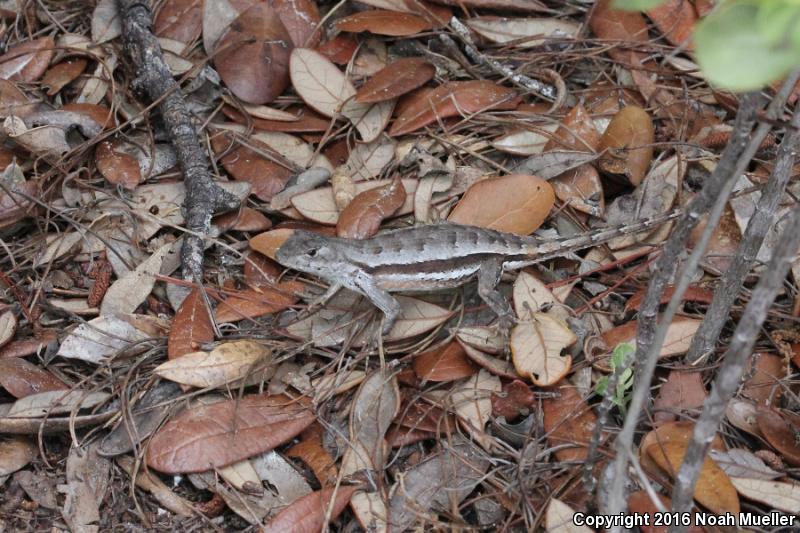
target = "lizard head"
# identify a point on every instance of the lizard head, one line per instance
(308, 252)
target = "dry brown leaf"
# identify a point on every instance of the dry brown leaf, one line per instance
(319, 205)
(724, 240)
(253, 56)
(106, 22)
(676, 20)
(8, 326)
(308, 514)
(398, 78)
(780, 429)
(763, 385)
(714, 489)
(569, 420)
(15, 453)
(472, 402)
(58, 76)
(340, 49)
(446, 363)
(628, 144)
(527, 32)
(253, 303)
(381, 22)
(560, 518)
(301, 18)
(682, 391)
(677, 341)
(21, 378)
(531, 296)
(227, 363)
(246, 219)
(55, 402)
(455, 98)
(268, 243)
(191, 326)
(536, 349)
(245, 164)
(311, 451)
(27, 61)
(515, 399)
(220, 434)
(774, 494)
(517, 203)
(118, 167)
(363, 215)
(179, 20)
(618, 26)
(319, 82)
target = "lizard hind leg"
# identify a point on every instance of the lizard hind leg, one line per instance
(488, 278)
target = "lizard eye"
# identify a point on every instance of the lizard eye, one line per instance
(312, 252)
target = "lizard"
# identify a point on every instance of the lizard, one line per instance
(433, 257)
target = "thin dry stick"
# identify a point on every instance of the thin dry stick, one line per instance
(757, 228)
(724, 171)
(535, 86)
(734, 363)
(204, 197)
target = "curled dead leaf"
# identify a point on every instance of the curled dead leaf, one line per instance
(362, 217)
(536, 349)
(628, 144)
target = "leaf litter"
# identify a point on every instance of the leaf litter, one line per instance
(241, 400)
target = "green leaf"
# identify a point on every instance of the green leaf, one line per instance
(735, 50)
(636, 5)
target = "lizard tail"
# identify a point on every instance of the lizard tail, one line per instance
(551, 249)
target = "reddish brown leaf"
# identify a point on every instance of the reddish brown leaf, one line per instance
(447, 363)
(253, 56)
(63, 73)
(781, 429)
(675, 19)
(307, 514)
(515, 398)
(763, 385)
(27, 61)
(244, 164)
(301, 18)
(256, 303)
(117, 167)
(714, 489)
(14, 205)
(617, 25)
(398, 78)
(724, 240)
(26, 347)
(569, 420)
(452, 99)
(21, 378)
(246, 219)
(311, 451)
(206, 437)
(628, 143)
(191, 326)
(640, 503)
(340, 49)
(516, 203)
(363, 216)
(99, 113)
(260, 270)
(683, 391)
(399, 436)
(694, 293)
(423, 416)
(180, 20)
(382, 22)
(308, 121)
(512, 5)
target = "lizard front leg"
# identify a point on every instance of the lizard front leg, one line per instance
(365, 284)
(488, 278)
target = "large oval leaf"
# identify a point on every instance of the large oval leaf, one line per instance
(211, 436)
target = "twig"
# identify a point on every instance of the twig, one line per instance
(734, 362)
(204, 197)
(645, 337)
(757, 229)
(535, 86)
